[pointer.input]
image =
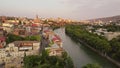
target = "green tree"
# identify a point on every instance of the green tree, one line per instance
(46, 61)
(31, 61)
(12, 38)
(92, 66)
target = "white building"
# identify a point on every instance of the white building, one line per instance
(7, 25)
(111, 35)
(18, 49)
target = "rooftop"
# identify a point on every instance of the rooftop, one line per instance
(1, 46)
(2, 38)
(24, 43)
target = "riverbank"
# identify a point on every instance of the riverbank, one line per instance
(81, 55)
(96, 43)
(52, 53)
(107, 57)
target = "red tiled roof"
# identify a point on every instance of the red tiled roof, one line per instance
(55, 39)
(2, 39)
(58, 37)
(1, 46)
(34, 25)
(1, 28)
(46, 31)
(24, 43)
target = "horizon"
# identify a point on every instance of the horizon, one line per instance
(67, 9)
(60, 17)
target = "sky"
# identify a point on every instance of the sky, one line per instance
(69, 9)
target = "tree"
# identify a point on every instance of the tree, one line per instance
(20, 23)
(69, 63)
(33, 38)
(31, 61)
(12, 38)
(115, 44)
(46, 61)
(95, 65)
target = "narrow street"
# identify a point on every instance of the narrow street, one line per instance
(44, 41)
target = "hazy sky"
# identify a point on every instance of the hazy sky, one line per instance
(73, 9)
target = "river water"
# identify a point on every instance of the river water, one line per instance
(80, 54)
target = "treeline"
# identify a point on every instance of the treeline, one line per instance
(45, 61)
(54, 27)
(11, 38)
(115, 44)
(112, 27)
(100, 43)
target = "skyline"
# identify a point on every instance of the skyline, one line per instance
(70, 9)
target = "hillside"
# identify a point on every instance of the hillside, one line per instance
(106, 19)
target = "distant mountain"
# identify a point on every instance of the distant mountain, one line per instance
(106, 19)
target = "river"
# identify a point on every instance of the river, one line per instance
(80, 54)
